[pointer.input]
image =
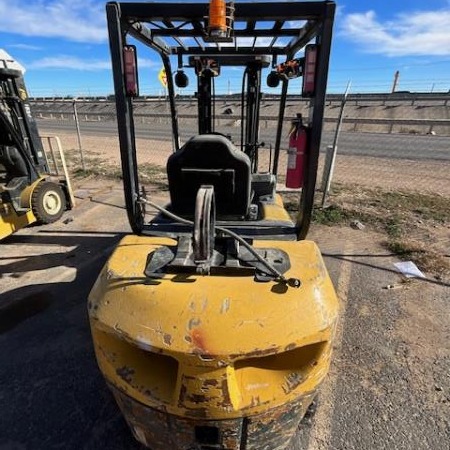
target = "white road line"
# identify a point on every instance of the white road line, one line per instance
(320, 435)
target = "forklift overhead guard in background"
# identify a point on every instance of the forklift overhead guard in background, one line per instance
(28, 193)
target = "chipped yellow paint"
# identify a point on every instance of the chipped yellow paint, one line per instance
(275, 211)
(10, 222)
(212, 346)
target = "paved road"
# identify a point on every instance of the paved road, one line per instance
(398, 146)
(389, 387)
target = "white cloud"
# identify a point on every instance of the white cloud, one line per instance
(25, 47)
(68, 62)
(246, 42)
(295, 23)
(144, 63)
(422, 33)
(74, 20)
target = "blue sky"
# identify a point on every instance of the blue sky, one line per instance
(63, 45)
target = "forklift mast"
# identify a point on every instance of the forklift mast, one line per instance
(252, 104)
(17, 124)
(250, 101)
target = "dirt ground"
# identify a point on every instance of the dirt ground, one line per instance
(389, 174)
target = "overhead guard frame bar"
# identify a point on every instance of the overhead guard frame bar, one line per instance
(130, 18)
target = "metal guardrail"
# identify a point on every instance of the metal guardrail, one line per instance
(354, 120)
(366, 97)
(394, 97)
(431, 123)
(105, 109)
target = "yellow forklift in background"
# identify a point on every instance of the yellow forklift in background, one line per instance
(28, 191)
(213, 323)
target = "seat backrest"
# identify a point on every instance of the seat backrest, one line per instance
(210, 159)
(13, 162)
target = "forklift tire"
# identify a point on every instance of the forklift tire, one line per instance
(48, 202)
(310, 413)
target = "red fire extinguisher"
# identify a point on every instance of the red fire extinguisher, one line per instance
(296, 154)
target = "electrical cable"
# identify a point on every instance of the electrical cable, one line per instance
(277, 274)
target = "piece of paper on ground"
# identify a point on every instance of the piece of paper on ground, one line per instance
(409, 269)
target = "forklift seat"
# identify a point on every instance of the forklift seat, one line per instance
(210, 159)
(13, 162)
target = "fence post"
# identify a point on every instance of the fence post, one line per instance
(332, 158)
(77, 124)
(327, 169)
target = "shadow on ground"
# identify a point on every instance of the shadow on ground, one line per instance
(51, 392)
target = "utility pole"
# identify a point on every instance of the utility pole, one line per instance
(394, 85)
(77, 124)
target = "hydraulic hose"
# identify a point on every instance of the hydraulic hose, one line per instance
(293, 282)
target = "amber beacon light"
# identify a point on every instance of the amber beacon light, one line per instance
(217, 18)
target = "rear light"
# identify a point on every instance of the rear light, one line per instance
(309, 72)
(130, 65)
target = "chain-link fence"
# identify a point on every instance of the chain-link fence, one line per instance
(398, 142)
(391, 172)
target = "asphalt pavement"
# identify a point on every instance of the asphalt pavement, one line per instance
(389, 386)
(380, 145)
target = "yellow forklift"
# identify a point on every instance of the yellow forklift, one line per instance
(213, 323)
(28, 192)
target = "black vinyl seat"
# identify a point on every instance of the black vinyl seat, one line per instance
(210, 159)
(13, 162)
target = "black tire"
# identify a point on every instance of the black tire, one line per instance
(310, 413)
(48, 202)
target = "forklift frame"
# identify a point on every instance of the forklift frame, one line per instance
(29, 192)
(149, 23)
(21, 126)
